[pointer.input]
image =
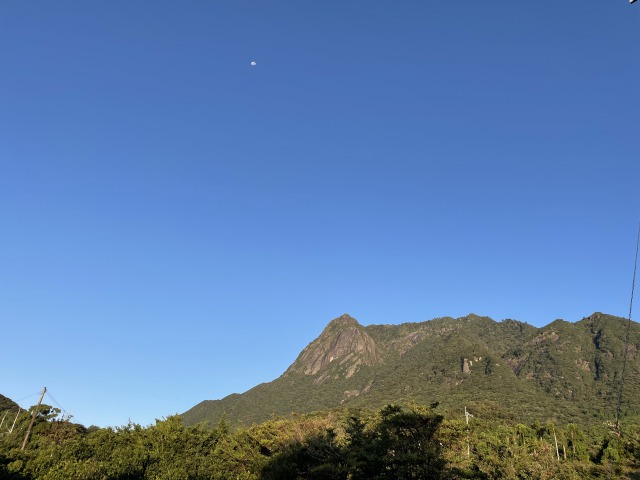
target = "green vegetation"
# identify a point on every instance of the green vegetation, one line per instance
(563, 372)
(7, 404)
(410, 442)
(543, 403)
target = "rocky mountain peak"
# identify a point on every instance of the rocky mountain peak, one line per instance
(343, 346)
(343, 320)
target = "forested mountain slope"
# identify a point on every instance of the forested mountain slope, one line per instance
(563, 372)
(7, 404)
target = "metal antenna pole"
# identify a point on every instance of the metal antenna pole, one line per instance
(626, 341)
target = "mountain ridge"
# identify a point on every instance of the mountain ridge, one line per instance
(564, 369)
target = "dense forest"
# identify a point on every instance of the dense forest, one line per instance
(396, 442)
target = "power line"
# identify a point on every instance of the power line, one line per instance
(626, 341)
(64, 411)
(28, 396)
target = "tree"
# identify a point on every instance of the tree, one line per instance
(405, 443)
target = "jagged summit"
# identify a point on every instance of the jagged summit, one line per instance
(343, 320)
(343, 345)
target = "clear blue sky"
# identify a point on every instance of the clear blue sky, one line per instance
(176, 225)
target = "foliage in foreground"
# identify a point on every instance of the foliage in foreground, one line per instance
(394, 443)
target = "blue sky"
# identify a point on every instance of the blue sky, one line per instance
(176, 225)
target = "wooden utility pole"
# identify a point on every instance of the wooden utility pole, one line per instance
(33, 419)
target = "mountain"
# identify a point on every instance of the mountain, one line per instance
(7, 404)
(562, 372)
(343, 340)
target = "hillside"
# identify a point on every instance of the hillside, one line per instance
(7, 404)
(562, 372)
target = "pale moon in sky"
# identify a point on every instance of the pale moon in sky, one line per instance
(253, 64)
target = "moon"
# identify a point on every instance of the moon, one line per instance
(253, 64)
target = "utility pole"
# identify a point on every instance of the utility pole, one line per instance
(467, 415)
(33, 419)
(15, 419)
(556, 439)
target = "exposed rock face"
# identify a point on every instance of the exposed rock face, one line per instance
(406, 343)
(343, 343)
(465, 366)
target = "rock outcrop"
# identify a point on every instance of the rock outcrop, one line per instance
(342, 347)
